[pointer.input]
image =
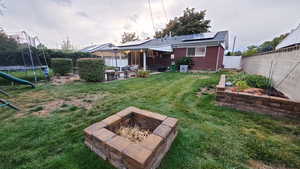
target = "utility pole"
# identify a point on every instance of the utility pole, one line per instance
(233, 47)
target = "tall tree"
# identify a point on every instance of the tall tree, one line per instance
(190, 23)
(266, 46)
(67, 46)
(271, 45)
(129, 36)
(7, 43)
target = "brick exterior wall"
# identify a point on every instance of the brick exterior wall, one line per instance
(159, 61)
(208, 62)
(275, 106)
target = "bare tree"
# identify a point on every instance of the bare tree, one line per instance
(67, 45)
(129, 36)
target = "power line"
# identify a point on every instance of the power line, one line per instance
(164, 9)
(151, 15)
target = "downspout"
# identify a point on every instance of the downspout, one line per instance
(217, 64)
(144, 60)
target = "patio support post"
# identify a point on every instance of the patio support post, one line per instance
(145, 60)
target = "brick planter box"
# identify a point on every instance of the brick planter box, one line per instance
(253, 103)
(101, 138)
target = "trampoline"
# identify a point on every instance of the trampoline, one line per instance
(31, 61)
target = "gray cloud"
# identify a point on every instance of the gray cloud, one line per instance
(94, 21)
(82, 14)
(63, 2)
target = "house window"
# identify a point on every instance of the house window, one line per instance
(196, 52)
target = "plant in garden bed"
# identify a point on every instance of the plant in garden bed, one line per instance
(61, 66)
(242, 85)
(143, 74)
(254, 81)
(91, 69)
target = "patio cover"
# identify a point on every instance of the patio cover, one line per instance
(162, 48)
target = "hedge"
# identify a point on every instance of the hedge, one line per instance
(91, 69)
(61, 66)
(15, 57)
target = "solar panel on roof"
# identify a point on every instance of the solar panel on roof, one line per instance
(139, 42)
(200, 36)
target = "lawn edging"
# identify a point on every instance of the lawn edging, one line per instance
(275, 106)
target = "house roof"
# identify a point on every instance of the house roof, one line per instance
(167, 43)
(292, 39)
(170, 42)
(87, 49)
(102, 47)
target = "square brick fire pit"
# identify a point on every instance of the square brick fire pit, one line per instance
(102, 138)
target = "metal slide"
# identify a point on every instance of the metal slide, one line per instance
(16, 80)
(6, 103)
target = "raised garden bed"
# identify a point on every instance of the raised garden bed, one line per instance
(132, 138)
(253, 102)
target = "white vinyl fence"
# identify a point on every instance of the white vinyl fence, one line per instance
(232, 62)
(283, 66)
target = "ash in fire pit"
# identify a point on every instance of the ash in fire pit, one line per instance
(134, 134)
(132, 138)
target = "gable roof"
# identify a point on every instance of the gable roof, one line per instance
(87, 49)
(174, 41)
(292, 39)
(168, 43)
(94, 48)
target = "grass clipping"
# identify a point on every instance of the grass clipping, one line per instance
(134, 134)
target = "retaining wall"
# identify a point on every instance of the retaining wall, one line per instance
(283, 66)
(253, 103)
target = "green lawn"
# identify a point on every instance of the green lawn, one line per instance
(210, 137)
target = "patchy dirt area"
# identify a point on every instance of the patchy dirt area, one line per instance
(206, 91)
(260, 165)
(80, 102)
(60, 80)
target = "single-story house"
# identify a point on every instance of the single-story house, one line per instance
(205, 49)
(106, 52)
(292, 39)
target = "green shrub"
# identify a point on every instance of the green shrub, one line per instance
(61, 66)
(242, 85)
(143, 74)
(258, 81)
(183, 61)
(237, 77)
(91, 69)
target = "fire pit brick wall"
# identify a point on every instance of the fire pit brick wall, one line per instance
(124, 154)
(253, 103)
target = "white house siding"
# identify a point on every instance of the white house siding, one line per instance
(285, 71)
(232, 62)
(111, 61)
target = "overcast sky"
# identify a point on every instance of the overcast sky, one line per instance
(88, 22)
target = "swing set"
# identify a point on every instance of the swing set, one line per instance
(31, 62)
